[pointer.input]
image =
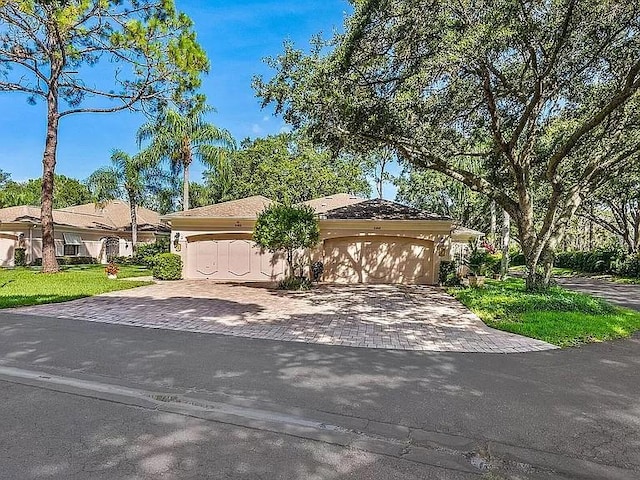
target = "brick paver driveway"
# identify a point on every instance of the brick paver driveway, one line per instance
(380, 316)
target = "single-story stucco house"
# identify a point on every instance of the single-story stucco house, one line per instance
(99, 232)
(362, 241)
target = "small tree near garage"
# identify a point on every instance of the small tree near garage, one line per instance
(285, 229)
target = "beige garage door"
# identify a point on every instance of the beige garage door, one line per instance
(231, 259)
(378, 260)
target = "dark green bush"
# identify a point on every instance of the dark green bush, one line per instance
(494, 263)
(125, 260)
(146, 252)
(76, 260)
(68, 261)
(295, 283)
(20, 257)
(517, 259)
(629, 266)
(167, 266)
(595, 261)
(447, 272)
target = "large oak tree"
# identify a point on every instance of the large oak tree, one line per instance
(145, 50)
(543, 94)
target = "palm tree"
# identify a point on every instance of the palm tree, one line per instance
(180, 137)
(130, 178)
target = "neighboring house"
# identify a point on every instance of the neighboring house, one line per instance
(80, 231)
(362, 241)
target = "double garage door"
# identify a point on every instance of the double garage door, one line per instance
(376, 259)
(379, 260)
(231, 259)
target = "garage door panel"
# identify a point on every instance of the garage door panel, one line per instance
(271, 265)
(239, 257)
(379, 260)
(231, 259)
(206, 258)
(343, 261)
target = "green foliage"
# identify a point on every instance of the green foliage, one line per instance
(477, 259)
(69, 261)
(129, 177)
(295, 283)
(177, 137)
(286, 168)
(146, 252)
(27, 286)
(150, 47)
(67, 192)
(284, 228)
(447, 274)
(494, 262)
(20, 257)
(542, 95)
(517, 259)
(629, 266)
(596, 261)
(167, 266)
(435, 192)
(601, 261)
(557, 316)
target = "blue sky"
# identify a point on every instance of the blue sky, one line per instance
(237, 35)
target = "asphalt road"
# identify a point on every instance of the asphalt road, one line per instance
(561, 414)
(620, 294)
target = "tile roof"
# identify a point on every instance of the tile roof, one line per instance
(113, 216)
(379, 209)
(248, 207)
(324, 204)
(117, 214)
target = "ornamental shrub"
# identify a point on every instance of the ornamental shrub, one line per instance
(145, 252)
(447, 272)
(20, 257)
(595, 261)
(629, 266)
(167, 266)
(295, 283)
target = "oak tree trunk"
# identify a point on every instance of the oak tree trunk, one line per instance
(49, 262)
(492, 227)
(506, 238)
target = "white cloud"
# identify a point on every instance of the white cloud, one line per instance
(256, 129)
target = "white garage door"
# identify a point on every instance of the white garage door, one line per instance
(378, 259)
(231, 259)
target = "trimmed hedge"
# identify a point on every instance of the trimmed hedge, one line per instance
(69, 261)
(629, 266)
(146, 252)
(20, 257)
(614, 262)
(167, 266)
(595, 261)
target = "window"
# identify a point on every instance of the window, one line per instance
(70, 250)
(72, 242)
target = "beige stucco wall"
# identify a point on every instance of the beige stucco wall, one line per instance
(92, 242)
(433, 234)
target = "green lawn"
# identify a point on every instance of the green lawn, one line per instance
(558, 316)
(27, 286)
